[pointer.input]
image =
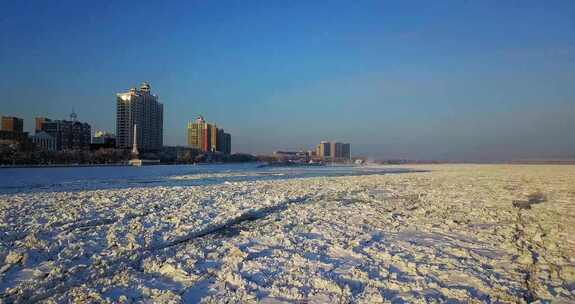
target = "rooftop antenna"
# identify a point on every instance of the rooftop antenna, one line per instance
(73, 115)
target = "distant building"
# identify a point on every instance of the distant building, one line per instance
(139, 107)
(210, 138)
(300, 156)
(12, 132)
(220, 140)
(40, 123)
(69, 134)
(202, 136)
(103, 140)
(9, 137)
(195, 133)
(324, 150)
(346, 151)
(12, 124)
(206, 137)
(44, 141)
(340, 151)
(334, 151)
(227, 143)
(224, 142)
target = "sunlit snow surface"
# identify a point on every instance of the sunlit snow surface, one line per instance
(324, 234)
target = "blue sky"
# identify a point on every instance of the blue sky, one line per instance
(461, 80)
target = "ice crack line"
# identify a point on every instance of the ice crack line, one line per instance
(246, 216)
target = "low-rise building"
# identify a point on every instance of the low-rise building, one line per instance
(69, 134)
(44, 141)
(103, 139)
(299, 156)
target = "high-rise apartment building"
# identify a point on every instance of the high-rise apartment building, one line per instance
(324, 149)
(340, 151)
(346, 151)
(195, 133)
(224, 142)
(227, 143)
(210, 138)
(206, 137)
(202, 136)
(334, 151)
(12, 124)
(139, 107)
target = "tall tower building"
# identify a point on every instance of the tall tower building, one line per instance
(139, 107)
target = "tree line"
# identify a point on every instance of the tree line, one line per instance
(14, 155)
(11, 155)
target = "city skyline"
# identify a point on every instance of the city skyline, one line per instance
(452, 80)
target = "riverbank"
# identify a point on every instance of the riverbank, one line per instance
(64, 166)
(123, 164)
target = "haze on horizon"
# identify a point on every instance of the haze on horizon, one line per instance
(455, 80)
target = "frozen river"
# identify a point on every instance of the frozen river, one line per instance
(18, 180)
(243, 234)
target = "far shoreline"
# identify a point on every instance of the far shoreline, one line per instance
(61, 166)
(558, 163)
(106, 165)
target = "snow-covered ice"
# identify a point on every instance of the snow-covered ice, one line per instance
(446, 233)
